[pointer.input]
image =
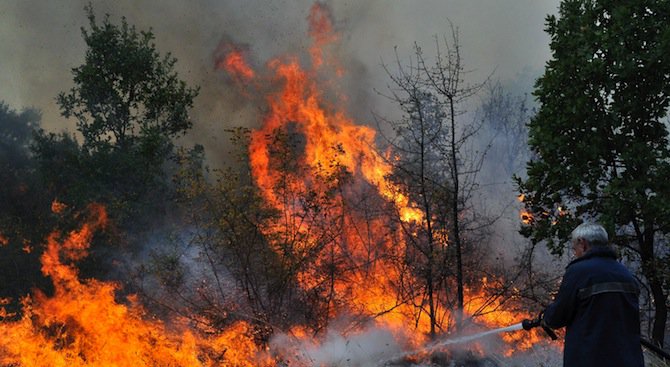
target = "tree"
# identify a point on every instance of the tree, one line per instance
(129, 105)
(125, 93)
(16, 135)
(255, 254)
(21, 205)
(437, 163)
(600, 139)
(420, 171)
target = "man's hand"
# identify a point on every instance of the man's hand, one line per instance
(539, 321)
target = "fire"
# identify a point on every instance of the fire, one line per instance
(4, 241)
(493, 313)
(307, 146)
(232, 59)
(324, 144)
(27, 248)
(82, 324)
(525, 216)
(3, 312)
(57, 207)
(321, 30)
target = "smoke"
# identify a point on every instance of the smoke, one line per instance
(367, 348)
(376, 346)
(40, 42)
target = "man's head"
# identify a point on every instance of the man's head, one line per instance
(587, 235)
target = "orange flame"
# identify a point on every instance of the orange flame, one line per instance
(329, 143)
(57, 207)
(232, 59)
(4, 241)
(83, 325)
(321, 30)
(526, 217)
(493, 313)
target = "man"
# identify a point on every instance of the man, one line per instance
(597, 302)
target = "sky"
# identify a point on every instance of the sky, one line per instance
(40, 42)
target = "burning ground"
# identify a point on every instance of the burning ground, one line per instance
(331, 233)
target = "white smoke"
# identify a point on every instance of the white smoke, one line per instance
(376, 346)
(367, 348)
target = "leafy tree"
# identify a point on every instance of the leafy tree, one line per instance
(125, 93)
(16, 133)
(600, 137)
(129, 105)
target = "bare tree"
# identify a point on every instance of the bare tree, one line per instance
(438, 160)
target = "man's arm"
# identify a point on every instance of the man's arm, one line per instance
(561, 312)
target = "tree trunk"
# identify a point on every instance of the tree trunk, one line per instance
(655, 283)
(455, 211)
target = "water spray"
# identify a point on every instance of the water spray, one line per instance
(526, 324)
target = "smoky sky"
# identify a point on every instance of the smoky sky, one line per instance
(40, 42)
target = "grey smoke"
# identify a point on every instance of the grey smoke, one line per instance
(41, 41)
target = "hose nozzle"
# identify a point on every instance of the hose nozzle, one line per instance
(528, 324)
(531, 324)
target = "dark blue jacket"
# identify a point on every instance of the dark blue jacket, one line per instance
(598, 304)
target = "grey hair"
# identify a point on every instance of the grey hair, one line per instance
(593, 233)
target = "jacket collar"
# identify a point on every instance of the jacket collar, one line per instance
(596, 251)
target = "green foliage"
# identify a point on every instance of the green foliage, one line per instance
(600, 138)
(125, 90)
(129, 105)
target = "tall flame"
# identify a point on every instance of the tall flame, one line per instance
(327, 142)
(321, 30)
